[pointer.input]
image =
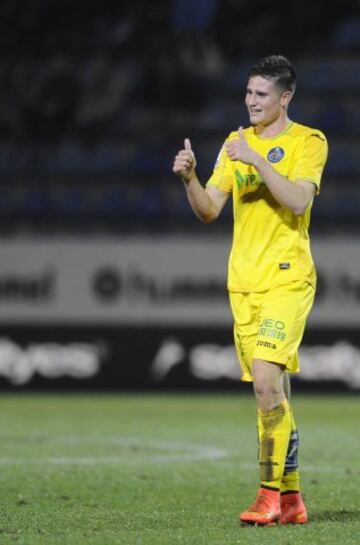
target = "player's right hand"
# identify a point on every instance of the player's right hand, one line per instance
(185, 162)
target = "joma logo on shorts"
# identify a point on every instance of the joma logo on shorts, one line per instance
(266, 344)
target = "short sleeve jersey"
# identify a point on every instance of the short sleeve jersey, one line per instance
(270, 243)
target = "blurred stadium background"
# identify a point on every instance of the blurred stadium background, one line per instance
(107, 282)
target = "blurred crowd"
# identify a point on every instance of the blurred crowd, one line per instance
(106, 90)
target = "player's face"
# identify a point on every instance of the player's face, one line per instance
(264, 101)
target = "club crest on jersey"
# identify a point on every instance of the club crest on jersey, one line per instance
(275, 154)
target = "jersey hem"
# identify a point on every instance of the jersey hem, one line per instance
(271, 286)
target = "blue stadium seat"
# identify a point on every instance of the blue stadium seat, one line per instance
(347, 36)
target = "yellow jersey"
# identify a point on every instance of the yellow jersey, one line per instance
(270, 243)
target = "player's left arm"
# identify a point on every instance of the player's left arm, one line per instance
(295, 196)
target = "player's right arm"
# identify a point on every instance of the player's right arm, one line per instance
(206, 203)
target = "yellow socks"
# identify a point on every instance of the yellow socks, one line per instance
(274, 429)
(290, 481)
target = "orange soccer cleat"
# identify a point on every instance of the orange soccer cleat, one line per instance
(265, 510)
(293, 510)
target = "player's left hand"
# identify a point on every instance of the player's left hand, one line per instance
(239, 150)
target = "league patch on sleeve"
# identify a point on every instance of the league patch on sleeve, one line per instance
(284, 266)
(217, 162)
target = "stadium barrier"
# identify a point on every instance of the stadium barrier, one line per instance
(153, 312)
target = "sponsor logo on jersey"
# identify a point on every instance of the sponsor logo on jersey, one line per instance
(248, 180)
(275, 154)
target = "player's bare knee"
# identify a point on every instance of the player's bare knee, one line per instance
(263, 389)
(269, 394)
(260, 389)
(267, 397)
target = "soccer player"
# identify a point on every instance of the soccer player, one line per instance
(273, 170)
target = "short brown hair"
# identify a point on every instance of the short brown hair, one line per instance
(278, 68)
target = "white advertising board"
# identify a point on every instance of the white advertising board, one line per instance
(178, 280)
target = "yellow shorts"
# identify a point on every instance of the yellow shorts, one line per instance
(269, 325)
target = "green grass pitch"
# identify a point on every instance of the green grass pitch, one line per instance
(162, 469)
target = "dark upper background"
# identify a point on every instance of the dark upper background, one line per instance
(97, 97)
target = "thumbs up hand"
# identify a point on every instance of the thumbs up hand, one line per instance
(185, 162)
(187, 144)
(239, 150)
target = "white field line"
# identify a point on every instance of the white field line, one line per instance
(171, 452)
(114, 460)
